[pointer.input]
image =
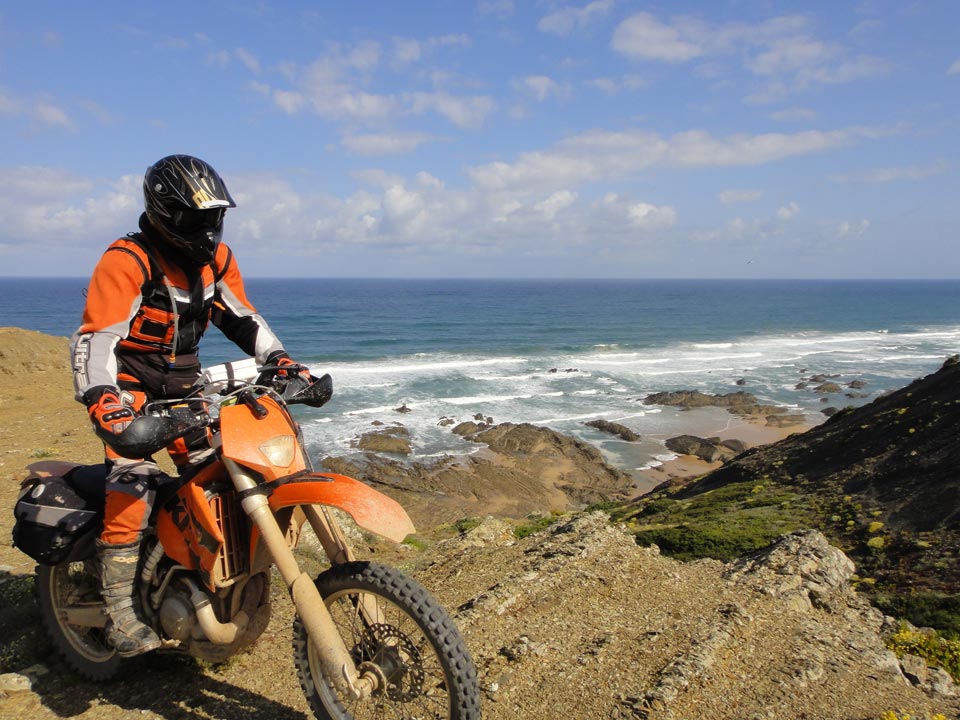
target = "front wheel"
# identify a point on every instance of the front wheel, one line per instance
(393, 627)
(71, 608)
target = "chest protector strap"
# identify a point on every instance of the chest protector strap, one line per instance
(159, 326)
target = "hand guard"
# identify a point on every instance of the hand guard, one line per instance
(108, 415)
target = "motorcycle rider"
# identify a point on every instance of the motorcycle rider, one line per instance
(149, 301)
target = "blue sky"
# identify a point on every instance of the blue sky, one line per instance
(495, 138)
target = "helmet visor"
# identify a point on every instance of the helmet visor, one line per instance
(188, 219)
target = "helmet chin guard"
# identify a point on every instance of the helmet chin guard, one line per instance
(185, 200)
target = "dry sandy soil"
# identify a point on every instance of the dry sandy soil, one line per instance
(574, 622)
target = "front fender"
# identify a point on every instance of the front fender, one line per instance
(371, 510)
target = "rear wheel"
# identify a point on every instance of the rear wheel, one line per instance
(396, 630)
(71, 590)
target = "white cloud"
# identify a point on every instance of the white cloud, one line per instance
(789, 55)
(384, 144)
(646, 215)
(612, 86)
(731, 197)
(288, 101)
(599, 155)
(847, 229)
(48, 207)
(334, 87)
(779, 51)
(464, 112)
(410, 50)
(406, 50)
(789, 211)
(10, 107)
(954, 69)
(793, 114)
(541, 87)
(892, 174)
(555, 203)
(46, 112)
(643, 36)
(845, 71)
(565, 21)
(42, 111)
(248, 59)
(498, 8)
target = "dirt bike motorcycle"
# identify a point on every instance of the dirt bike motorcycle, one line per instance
(368, 641)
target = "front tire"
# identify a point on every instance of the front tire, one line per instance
(85, 649)
(414, 647)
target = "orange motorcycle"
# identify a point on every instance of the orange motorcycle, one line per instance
(368, 641)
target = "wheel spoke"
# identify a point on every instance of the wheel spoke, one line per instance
(389, 622)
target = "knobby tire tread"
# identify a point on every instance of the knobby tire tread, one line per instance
(422, 607)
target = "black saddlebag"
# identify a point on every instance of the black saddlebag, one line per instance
(52, 513)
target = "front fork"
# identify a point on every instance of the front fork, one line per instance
(337, 664)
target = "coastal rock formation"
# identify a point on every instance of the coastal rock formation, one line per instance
(612, 428)
(521, 469)
(738, 403)
(394, 439)
(709, 450)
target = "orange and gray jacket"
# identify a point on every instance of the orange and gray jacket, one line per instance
(142, 306)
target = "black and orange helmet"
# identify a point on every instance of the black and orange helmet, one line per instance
(185, 200)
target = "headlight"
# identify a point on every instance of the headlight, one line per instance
(279, 450)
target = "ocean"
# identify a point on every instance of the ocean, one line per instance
(559, 353)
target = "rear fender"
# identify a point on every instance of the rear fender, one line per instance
(371, 510)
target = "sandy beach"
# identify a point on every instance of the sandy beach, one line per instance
(703, 423)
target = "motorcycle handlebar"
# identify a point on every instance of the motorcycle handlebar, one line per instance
(150, 433)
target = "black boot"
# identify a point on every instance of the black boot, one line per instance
(118, 571)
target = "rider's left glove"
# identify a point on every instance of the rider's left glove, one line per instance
(108, 415)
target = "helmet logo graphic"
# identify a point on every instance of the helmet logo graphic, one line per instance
(185, 200)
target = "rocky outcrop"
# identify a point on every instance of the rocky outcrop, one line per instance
(707, 449)
(612, 428)
(394, 439)
(782, 421)
(895, 461)
(520, 469)
(738, 403)
(779, 634)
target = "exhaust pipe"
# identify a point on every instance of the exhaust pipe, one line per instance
(217, 632)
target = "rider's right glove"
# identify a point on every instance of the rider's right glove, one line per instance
(108, 415)
(290, 368)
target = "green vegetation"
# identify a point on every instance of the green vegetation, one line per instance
(723, 523)
(924, 609)
(933, 648)
(416, 542)
(536, 524)
(465, 525)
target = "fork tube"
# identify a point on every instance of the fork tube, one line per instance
(338, 665)
(337, 548)
(328, 533)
